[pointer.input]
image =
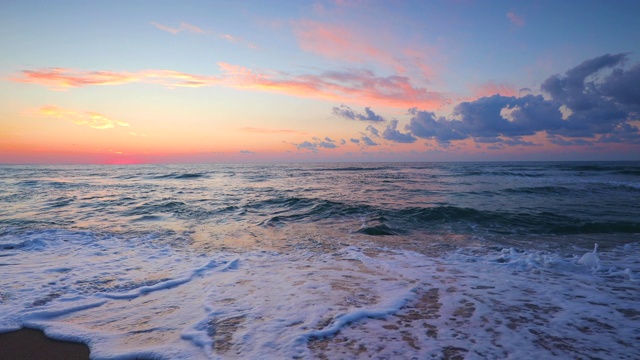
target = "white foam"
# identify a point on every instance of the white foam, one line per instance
(129, 298)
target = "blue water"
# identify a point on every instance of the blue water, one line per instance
(463, 198)
(161, 222)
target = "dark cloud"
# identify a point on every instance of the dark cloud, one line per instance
(355, 141)
(373, 131)
(307, 145)
(563, 142)
(625, 133)
(317, 144)
(624, 87)
(371, 116)
(327, 145)
(367, 140)
(424, 124)
(346, 112)
(246, 152)
(391, 133)
(488, 140)
(597, 105)
(519, 142)
(596, 100)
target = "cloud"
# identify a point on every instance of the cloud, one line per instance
(563, 142)
(625, 134)
(327, 145)
(63, 78)
(426, 125)
(355, 141)
(515, 19)
(183, 26)
(197, 30)
(342, 43)
(582, 103)
(373, 131)
(392, 134)
(247, 152)
(317, 143)
(361, 86)
(347, 113)
(355, 45)
(60, 78)
(307, 145)
(367, 141)
(167, 28)
(88, 118)
(596, 104)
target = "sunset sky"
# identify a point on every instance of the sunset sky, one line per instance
(291, 81)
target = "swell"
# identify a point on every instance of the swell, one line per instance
(180, 176)
(380, 221)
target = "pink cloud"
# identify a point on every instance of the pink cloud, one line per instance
(334, 41)
(515, 19)
(60, 78)
(183, 26)
(343, 43)
(167, 28)
(65, 78)
(197, 30)
(356, 86)
(192, 28)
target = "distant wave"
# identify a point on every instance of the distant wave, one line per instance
(180, 176)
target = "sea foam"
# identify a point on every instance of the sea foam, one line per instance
(129, 297)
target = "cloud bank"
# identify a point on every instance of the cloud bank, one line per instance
(596, 101)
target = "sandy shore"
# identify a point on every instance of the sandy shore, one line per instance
(29, 344)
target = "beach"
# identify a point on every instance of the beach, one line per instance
(30, 344)
(434, 260)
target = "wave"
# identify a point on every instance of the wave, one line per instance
(379, 221)
(180, 176)
(543, 190)
(620, 169)
(357, 168)
(518, 222)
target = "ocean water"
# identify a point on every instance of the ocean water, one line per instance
(327, 261)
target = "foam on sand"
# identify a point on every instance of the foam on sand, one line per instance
(130, 298)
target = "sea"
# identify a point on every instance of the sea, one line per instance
(479, 260)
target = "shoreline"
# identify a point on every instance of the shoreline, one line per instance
(33, 344)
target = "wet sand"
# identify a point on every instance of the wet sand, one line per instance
(30, 344)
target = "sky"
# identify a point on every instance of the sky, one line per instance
(127, 82)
